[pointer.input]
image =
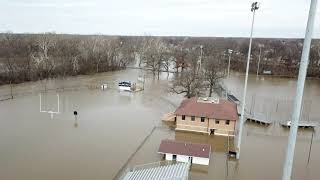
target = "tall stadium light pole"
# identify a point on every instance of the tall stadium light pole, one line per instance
(229, 52)
(260, 46)
(228, 72)
(200, 60)
(254, 7)
(287, 168)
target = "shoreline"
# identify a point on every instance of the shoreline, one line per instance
(276, 76)
(60, 77)
(89, 74)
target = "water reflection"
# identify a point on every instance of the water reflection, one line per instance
(273, 96)
(218, 143)
(199, 168)
(124, 97)
(75, 123)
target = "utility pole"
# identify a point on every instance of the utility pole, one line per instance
(254, 7)
(287, 168)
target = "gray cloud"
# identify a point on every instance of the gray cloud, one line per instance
(285, 18)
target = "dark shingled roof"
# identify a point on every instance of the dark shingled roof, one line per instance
(184, 148)
(225, 109)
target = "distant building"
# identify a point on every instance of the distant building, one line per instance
(207, 115)
(267, 72)
(185, 152)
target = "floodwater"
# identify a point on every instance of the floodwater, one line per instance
(111, 126)
(273, 96)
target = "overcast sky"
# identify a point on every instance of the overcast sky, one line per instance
(275, 18)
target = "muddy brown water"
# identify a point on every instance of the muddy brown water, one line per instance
(111, 125)
(273, 96)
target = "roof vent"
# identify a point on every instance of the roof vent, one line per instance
(215, 100)
(202, 149)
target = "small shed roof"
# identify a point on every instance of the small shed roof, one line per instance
(184, 148)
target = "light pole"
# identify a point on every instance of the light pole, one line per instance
(228, 72)
(254, 7)
(229, 53)
(287, 168)
(200, 60)
(260, 46)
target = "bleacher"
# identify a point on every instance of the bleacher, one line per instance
(176, 171)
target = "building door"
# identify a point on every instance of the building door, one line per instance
(211, 131)
(174, 157)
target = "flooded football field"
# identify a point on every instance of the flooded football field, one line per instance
(111, 125)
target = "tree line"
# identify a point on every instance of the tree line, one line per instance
(30, 57)
(199, 63)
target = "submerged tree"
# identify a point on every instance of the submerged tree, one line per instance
(42, 55)
(155, 54)
(188, 83)
(214, 71)
(179, 54)
(11, 64)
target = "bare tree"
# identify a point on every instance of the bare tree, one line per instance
(213, 72)
(143, 46)
(11, 68)
(167, 63)
(155, 54)
(44, 62)
(193, 59)
(97, 51)
(126, 54)
(314, 64)
(180, 57)
(188, 83)
(114, 55)
(11, 72)
(26, 57)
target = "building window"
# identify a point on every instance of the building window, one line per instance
(174, 157)
(202, 119)
(183, 117)
(227, 122)
(217, 121)
(193, 118)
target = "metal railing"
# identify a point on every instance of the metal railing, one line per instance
(154, 164)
